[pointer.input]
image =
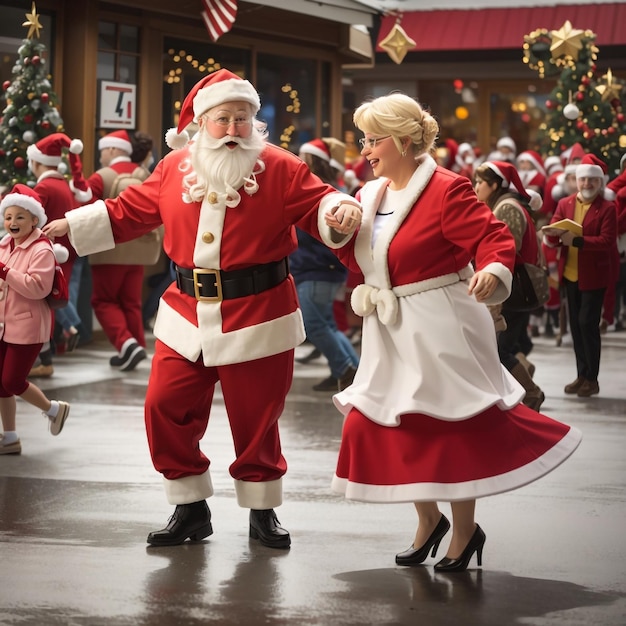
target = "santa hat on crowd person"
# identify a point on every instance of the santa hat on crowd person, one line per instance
(214, 89)
(81, 190)
(552, 165)
(49, 150)
(593, 167)
(506, 142)
(117, 139)
(511, 180)
(534, 158)
(26, 198)
(573, 154)
(316, 147)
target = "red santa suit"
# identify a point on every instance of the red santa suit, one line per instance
(245, 342)
(432, 414)
(117, 287)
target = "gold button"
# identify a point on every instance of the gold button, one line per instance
(213, 198)
(208, 237)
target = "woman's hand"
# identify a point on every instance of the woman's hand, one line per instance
(345, 218)
(482, 285)
(56, 228)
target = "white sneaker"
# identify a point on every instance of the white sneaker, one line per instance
(56, 423)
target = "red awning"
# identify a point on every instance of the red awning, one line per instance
(493, 29)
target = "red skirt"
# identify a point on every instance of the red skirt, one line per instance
(429, 459)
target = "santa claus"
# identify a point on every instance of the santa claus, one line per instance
(228, 202)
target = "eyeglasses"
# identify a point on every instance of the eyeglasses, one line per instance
(371, 141)
(225, 122)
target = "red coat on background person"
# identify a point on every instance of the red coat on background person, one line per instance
(595, 256)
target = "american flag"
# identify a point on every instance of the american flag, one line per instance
(219, 16)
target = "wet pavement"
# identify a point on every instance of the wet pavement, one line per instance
(75, 511)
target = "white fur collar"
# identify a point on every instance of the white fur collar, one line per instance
(373, 263)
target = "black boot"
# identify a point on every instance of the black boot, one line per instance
(265, 527)
(189, 520)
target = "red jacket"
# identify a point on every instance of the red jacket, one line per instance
(597, 255)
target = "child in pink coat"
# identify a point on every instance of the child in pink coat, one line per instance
(26, 274)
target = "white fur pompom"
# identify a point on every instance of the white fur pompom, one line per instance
(557, 192)
(61, 253)
(609, 194)
(536, 202)
(76, 146)
(176, 140)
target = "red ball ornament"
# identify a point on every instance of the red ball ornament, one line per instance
(605, 132)
(549, 104)
(615, 103)
(457, 84)
(6, 84)
(620, 117)
(19, 163)
(28, 118)
(45, 124)
(584, 80)
(580, 125)
(611, 130)
(580, 96)
(36, 60)
(2, 153)
(44, 98)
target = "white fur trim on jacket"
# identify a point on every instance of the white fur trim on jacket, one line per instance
(90, 228)
(327, 203)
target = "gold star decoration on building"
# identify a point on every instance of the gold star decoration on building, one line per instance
(32, 21)
(397, 43)
(609, 91)
(566, 41)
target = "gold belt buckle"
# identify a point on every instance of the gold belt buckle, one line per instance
(197, 285)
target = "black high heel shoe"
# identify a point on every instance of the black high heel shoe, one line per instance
(475, 544)
(414, 556)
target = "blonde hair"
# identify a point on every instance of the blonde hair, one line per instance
(398, 115)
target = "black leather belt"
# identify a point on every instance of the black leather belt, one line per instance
(217, 285)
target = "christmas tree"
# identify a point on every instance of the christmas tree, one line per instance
(31, 108)
(581, 108)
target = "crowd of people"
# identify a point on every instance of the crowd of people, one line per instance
(417, 239)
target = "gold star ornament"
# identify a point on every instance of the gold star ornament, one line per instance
(566, 41)
(609, 91)
(397, 43)
(33, 23)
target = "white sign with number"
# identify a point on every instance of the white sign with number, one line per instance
(117, 105)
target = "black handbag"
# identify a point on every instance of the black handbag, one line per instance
(529, 288)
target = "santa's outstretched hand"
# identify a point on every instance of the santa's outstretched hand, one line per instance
(56, 228)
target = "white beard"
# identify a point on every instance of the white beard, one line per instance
(588, 195)
(217, 168)
(526, 176)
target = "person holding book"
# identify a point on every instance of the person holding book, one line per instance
(584, 226)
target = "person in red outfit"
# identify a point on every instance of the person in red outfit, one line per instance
(58, 196)
(117, 274)
(586, 266)
(432, 415)
(228, 202)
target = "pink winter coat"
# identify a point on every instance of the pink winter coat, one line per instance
(25, 317)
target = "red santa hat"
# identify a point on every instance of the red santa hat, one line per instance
(573, 154)
(214, 89)
(81, 190)
(49, 150)
(511, 180)
(117, 139)
(593, 167)
(26, 198)
(534, 158)
(317, 147)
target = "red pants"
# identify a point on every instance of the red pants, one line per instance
(116, 301)
(178, 405)
(15, 363)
